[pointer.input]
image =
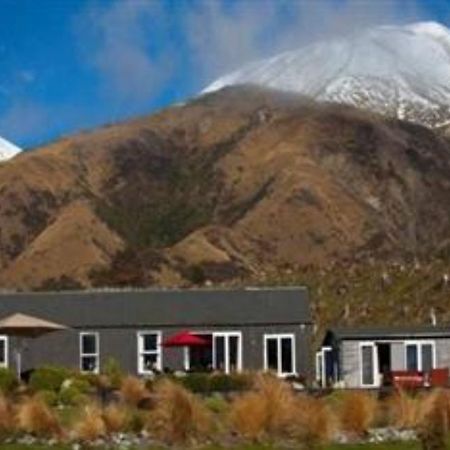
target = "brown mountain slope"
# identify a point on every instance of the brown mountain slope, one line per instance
(231, 185)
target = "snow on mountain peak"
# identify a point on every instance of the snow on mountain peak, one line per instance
(399, 71)
(7, 150)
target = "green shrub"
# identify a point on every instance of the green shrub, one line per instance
(71, 396)
(49, 378)
(114, 372)
(49, 397)
(207, 383)
(8, 380)
(217, 404)
(196, 382)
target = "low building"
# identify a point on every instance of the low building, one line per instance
(361, 357)
(248, 329)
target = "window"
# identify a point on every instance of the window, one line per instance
(325, 366)
(367, 364)
(227, 351)
(420, 355)
(279, 353)
(223, 352)
(3, 351)
(89, 352)
(149, 351)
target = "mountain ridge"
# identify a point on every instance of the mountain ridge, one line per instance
(398, 71)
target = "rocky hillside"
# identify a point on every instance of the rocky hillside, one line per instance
(236, 186)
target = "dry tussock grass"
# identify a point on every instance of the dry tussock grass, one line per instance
(133, 390)
(178, 416)
(357, 411)
(405, 410)
(36, 417)
(90, 425)
(313, 422)
(116, 418)
(6, 415)
(266, 411)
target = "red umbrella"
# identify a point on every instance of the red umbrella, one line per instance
(185, 339)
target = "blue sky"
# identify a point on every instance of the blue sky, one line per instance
(67, 65)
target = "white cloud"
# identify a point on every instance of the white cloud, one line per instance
(116, 41)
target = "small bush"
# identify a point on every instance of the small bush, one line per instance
(178, 416)
(90, 425)
(114, 372)
(71, 396)
(116, 418)
(229, 383)
(196, 382)
(217, 404)
(357, 412)
(34, 416)
(6, 415)
(49, 378)
(133, 390)
(265, 412)
(8, 380)
(49, 397)
(313, 423)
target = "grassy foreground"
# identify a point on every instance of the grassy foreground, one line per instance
(385, 446)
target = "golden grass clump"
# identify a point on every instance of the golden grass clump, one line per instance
(6, 415)
(357, 412)
(313, 422)
(434, 428)
(90, 425)
(178, 416)
(266, 411)
(406, 411)
(116, 418)
(133, 390)
(36, 417)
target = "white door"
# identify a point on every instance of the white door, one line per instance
(227, 352)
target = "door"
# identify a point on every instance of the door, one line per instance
(368, 365)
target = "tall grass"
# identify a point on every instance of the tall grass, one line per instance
(6, 415)
(356, 412)
(36, 417)
(116, 418)
(178, 416)
(266, 411)
(90, 425)
(133, 390)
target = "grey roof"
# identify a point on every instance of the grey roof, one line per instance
(181, 308)
(386, 332)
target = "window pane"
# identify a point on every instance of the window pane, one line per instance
(427, 357)
(233, 352)
(272, 354)
(220, 352)
(150, 342)
(412, 357)
(367, 365)
(88, 344)
(286, 355)
(88, 363)
(2, 351)
(149, 361)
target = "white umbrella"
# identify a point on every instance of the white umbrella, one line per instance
(23, 326)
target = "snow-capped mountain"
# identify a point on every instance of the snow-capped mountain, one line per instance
(399, 71)
(7, 150)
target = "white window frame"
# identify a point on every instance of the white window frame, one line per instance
(226, 335)
(142, 370)
(5, 339)
(320, 365)
(376, 377)
(419, 343)
(279, 338)
(95, 355)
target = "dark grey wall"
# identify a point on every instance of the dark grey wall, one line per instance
(62, 348)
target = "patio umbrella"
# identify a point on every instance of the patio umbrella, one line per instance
(186, 340)
(23, 326)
